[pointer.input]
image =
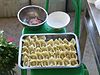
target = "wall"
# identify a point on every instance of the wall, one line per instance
(54, 5)
(70, 7)
(9, 8)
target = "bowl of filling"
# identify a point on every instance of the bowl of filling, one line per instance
(32, 15)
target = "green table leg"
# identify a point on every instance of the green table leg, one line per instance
(82, 70)
(85, 72)
(77, 7)
(23, 72)
(47, 5)
(32, 72)
(66, 7)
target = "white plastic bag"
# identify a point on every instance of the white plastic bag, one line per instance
(97, 4)
(91, 1)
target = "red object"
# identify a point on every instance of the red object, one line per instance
(35, 21)
(10, 39)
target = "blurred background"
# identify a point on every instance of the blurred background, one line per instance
(12, 27)
(9, 8)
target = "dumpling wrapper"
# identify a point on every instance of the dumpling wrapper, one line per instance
(57, 54)
(50, 42)
(26, 43)
(32, 42)
(72, 48)
(60, 40)
(39, 55)
(28, 38)
(73, 55)
(44, 49)
(56, 48)
(67, 47)
(59, 62)
(32, 49)
(33, 56)
(45, 55)
(51, 54)
(41, 37)
(25, 49)
(33, 62)
(25, 61)
(52, 62)
(50, 48)
(38, 44)
(66, 62)
(73, 41)
(43, 43)
(66, 41)
(39, 63)
(67, 54)
(45, 62)
(25, 54)
(62, 54)
(38, 49)
(61, 47)
(35, 38)
(56, 42)
(73, 62)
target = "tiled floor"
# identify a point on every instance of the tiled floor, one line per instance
(13, 28)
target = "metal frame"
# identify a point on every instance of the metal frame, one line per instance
(89, 28)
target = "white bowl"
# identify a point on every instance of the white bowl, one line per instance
(58, 19)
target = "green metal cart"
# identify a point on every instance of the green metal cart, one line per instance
(82, 70)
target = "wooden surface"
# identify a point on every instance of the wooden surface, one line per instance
(9, 8)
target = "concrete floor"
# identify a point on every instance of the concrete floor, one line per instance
(13, 28)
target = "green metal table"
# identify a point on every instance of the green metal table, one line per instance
(82, 70)
(42, 29)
